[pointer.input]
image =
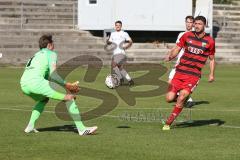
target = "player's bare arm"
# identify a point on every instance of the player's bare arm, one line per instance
(108, 41)
(129, 43)
(212, 68)
(69, 97)
(172, 53)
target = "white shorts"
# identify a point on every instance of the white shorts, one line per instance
(119, 59)
(172, 73)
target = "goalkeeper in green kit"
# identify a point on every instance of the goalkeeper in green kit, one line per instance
(34, 83)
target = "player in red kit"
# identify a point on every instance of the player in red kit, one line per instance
(198, 47)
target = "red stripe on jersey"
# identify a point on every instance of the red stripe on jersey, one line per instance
(196, 57)
(196, 53)
(194, 71)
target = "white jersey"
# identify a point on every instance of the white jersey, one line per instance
(173, 71)
(118, 38)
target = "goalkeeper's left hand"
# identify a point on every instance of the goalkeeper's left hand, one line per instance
(72, 87)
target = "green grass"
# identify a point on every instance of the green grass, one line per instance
(124, 138)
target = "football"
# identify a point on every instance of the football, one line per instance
(112, 81)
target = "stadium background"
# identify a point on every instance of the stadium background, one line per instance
(22, 24)
(214, 133)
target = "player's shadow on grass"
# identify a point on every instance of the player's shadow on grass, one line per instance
(123, 126)
(195, 103)
(64, 128)
(197, 123)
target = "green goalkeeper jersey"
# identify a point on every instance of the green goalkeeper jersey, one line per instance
(39, 69)
(41, 66)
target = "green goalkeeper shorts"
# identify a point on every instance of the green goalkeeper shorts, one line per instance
(41, 90)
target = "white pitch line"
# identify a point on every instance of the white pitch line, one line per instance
(52, 112)
(229, 126)
(134, 108)
(17, 109)
(48, 106)
(111, 116)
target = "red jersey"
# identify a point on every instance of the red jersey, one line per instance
(196, 52)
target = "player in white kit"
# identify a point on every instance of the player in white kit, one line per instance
(122, 41)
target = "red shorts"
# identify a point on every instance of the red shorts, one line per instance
(183, 82)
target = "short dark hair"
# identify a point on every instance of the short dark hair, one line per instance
(44, 40)
(189, 17)
(120, 22)
(201, 18)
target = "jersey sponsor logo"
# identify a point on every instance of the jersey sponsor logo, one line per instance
(204, 44)
(195, 50)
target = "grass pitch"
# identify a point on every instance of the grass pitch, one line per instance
(127, 132)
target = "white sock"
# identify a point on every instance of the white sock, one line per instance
(117, 71)
(29, 127)
(125, 74)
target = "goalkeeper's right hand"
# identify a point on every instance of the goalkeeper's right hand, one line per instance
(72, 87)
(69, 97)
